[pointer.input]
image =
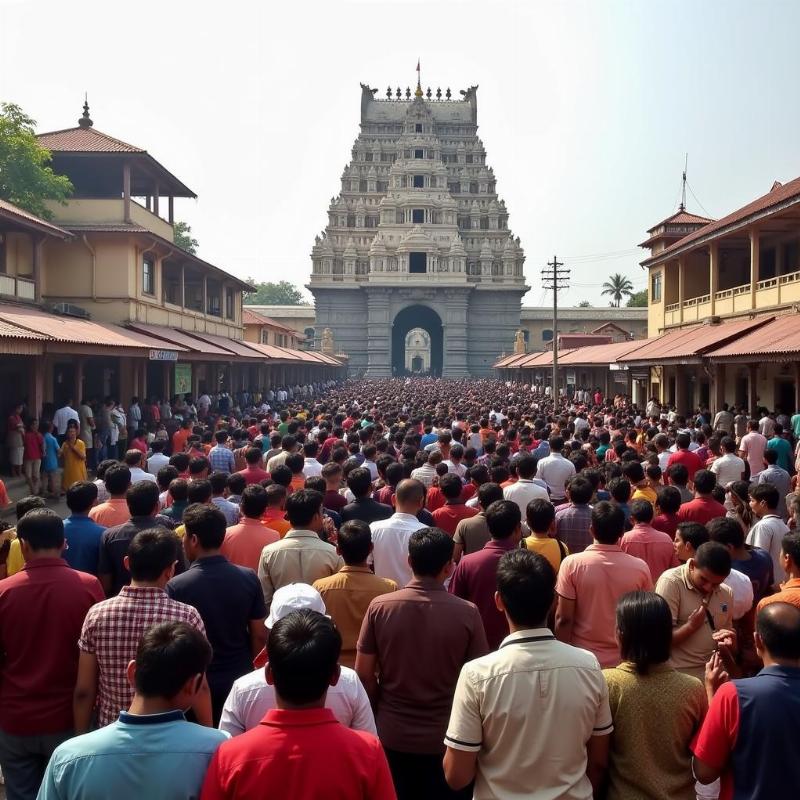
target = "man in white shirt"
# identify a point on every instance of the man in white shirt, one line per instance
(770, 529)
(525, 489)
(390, 536)
(728, 467)
(251, 696)
(454, 464)
(535, 712)
(311, 467)
(134, 460)
(157, 459)
(427, 472)
(62, 417)
(556, 471)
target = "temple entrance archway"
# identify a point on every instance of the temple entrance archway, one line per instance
(405, 322)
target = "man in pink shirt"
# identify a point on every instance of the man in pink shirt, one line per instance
(752, 448)
(244, 542)
(655, 548)
(253, 472)
(590, 584)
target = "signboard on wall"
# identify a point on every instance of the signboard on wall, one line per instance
(163, 355)
(183, 379)
(570, 377)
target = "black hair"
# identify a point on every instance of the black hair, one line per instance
(180, 461)
(488, 493)
(768, 493)
(236, 483)
(693, 533)
(359, 481)
(678, 474)
(778, 625)
(642, 510)
(142, 498)
(103, 466)
(207, 523)
(644, 623)
(275, 494)
(282, 475)
(503, 517)
(668, 499)
(198, 465)
(726, 530)
(218, 481)
(633, 471)
(705, 481)
(302, 506)
(526, 582)
(179, 489)
(619, 489)
(168, 655)
(580, 490)
(608, 522)
(526, 466)
(254, 501)
(790, 545)
(304, 648)
(295, 462)
(28, 503)
(151, 552)
(539, 515)
(354, 541)
(429, 551)
(253, 455)
(714, 557)
(81, 496)
(199, 490)
(166, 475)
(42, 529)
(117, 479)
(451, 486)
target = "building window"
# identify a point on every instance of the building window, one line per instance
(214, 305)
(655, 293)
(418, 263)
(419, 181)
(399, 216)
(526, 335)
(418, 216)
(473, 188)
(418, 127)
(263, 336)
(468, 158)
(148, 275)
(418, 154)
(230, 303)
(547, 335)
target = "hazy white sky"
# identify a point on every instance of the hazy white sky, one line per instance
(586, 109)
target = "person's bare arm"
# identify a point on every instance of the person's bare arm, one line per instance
(202, 706)
(458, 550)
(459, 767)
(704, 772)
(696, 621)
(85, 694)
(258, 636)
(565, 619)
(597, 749)
(367, 671)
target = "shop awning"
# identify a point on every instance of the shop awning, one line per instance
(600, 355)
(778, 340)
(236, 347)
(688, 345)
(181, 339)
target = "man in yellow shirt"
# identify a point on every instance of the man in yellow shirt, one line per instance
(15, 561)
(642, 490)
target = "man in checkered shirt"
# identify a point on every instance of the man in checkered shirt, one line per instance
(220, 456)
(111, 632)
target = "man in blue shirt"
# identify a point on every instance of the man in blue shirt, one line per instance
(83, 536)
(150, 745)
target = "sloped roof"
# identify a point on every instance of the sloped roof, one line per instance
(780, 195)
(780, 336)
(24, 219)
(250, 317)
(682, 217)
(84, 140)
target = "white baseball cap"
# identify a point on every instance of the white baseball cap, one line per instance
(294, 597)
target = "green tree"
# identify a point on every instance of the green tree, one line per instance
(26, 177)
(183, 237)
(618, 286)
(282, 293)
(584, 304)
(638, 299)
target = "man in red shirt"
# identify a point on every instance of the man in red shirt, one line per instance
(655, 548)
(704, 507)
(42, 608)
(254, 472)
(475, 577)
(327, 759)
(683, 455)
(454, 510)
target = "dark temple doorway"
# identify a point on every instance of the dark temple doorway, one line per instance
(417, 317)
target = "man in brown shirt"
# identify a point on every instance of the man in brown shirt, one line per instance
(348, 593)
(473, 533)
(411, 692)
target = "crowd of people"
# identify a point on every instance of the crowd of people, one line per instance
(415, 589)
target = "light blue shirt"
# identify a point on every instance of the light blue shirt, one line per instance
(159, 756)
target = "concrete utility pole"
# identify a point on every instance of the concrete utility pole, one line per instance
(555, 278)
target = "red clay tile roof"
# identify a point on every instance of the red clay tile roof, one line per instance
(681, 218)
(236, 346)
(182, 338)
(689, 343)
(250, 317)
(84, 140)
(777, 337)
(7, 329)
(600, 354)
(25, 219)
(788, 193)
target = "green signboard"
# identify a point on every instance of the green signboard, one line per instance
(183, 379)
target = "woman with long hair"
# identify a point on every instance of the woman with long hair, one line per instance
(737, 501)
(656, 710)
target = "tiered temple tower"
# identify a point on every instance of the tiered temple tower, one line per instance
(418, 238)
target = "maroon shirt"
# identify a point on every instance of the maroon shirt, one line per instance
(475, 579)
(450, 514)
(666, 523)
(702, 510)
(42, 609)
(334, 501)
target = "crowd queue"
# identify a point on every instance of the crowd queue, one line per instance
(415, 589)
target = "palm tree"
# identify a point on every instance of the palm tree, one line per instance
(618, 286)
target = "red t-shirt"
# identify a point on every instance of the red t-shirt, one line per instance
(254, 474)
(42, 608)
(702, 510)
(690, 460)
(434, 499)
(308, 754)
(450, 514)
(717, 738)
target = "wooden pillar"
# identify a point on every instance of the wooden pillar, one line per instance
(80, 363)
(127, 367)
(36, 370)
(755, 264)
(681, 286)
(183, 286)
(718, 393)
(155, 201)
(713, 273)
(171, 206)
(205, 294)
(36, 244)
(126, 191)
(166, 380)
(752, 388)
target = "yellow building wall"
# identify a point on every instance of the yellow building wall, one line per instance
(19, 254)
